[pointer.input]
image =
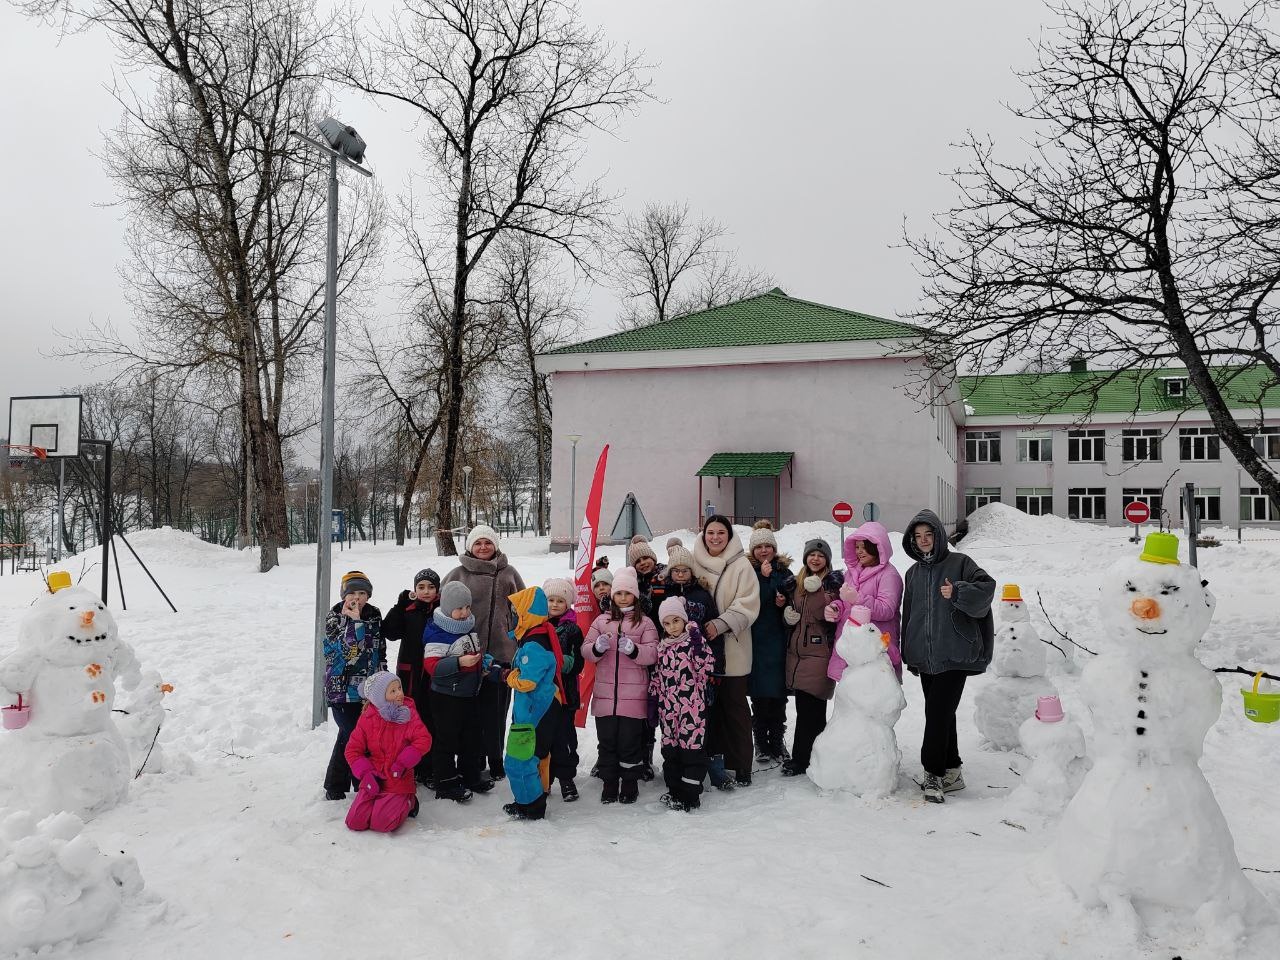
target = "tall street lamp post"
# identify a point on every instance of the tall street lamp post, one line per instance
(573, 439)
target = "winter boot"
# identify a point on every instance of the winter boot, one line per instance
(483, 785)
(932, 789)
(452, 789)
(791, 769)
(595, 770)
(672, 802)
(630, 791)
(720, 778)
(953, 781)
(413, 811)
(743, 779)
(568, 791)
(496, 770)
(515, 811)
(335, 794)
(610, 792)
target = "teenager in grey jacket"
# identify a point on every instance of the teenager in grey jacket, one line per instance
(947, 635)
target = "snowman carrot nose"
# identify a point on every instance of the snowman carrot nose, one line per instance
(86, 618)
(1144, 608)
(886, 640)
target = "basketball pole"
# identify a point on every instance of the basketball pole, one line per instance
(62, 480)
(106, 521)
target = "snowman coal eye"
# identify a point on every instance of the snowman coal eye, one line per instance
(1131, 588)
(1168, 588)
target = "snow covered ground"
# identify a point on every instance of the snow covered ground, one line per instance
(243, 857)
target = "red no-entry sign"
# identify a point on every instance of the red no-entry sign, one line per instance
(1137, 512)
(842, 512)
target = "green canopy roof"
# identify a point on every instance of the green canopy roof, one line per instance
(745, 465)
(1108, 391)
(767, 318)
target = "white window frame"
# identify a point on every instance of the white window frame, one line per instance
(975, 497)
(1034, 501)
(1087, 503)
(1257, 503)
(982, 441)
(1138, 444)
(1266, 442)
(1176, 387)
(1041, 442)
(1092, 442)
(1153, 497)
(1208, 505)
(1202, 443)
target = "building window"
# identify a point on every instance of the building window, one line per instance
(1174, 386)
(1256, 506)
(1199, 443)
(975, 497)
(1153, 497)
(1037, 501)
(1266, 442)
(982, 446)
(1035, 447)
(1087, 503)
(1140, 445)
(1208, 504)
(1086, 446)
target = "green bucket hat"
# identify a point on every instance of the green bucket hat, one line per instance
(1160, 548)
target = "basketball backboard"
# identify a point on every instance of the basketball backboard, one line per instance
(52, 423)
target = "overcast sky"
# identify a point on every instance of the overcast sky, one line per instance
(811, 129)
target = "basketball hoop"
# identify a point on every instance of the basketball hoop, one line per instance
(40, 453)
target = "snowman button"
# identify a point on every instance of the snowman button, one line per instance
(1141, 730)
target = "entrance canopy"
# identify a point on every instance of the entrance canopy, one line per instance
(757, 484)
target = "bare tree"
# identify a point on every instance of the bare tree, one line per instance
(1111, 241)
(667, 263)
(505, 92)
(227, 213)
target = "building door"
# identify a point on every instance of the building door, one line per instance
(753, 500)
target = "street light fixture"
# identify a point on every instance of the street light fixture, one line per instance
(573, 439)
(466, 496)
(341, 144)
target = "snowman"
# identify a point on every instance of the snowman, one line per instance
(1055, 745)
(1144, 835)
(1008, 698)
(70, 755)
(140, 724)
(56, 887)
(858, 751)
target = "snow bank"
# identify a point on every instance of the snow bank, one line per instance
(1001, 524)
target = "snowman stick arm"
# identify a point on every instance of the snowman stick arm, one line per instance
(1246, 671)
(1054, 627)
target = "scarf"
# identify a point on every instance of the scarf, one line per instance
(450, 625)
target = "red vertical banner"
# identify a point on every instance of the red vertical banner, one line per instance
(584, 606)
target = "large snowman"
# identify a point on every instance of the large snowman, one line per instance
(70, 756)
(1010, 697)
(859, 751)
(1144, 835)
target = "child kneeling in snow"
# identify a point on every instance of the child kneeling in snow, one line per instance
(387, 743)
(679, 684)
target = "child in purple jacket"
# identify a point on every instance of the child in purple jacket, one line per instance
(623, 644)
(685, 665)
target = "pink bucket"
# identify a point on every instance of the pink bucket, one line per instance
(16, 716)
(1049, 710)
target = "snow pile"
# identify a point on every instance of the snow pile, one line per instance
(56, 887)
(69, 756)
(858, 751)
(1057, 751)
(1001, 525)
(1009, 697)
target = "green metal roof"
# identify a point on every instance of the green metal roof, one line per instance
(767, 318)
(1116, 391)
(745, 465)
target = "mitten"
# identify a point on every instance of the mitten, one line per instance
(494, 673)
(486, 662)
(849, 593)
(791, 615)
(602, 645)
(831, 613)
(369, 786)
(812, 584)
(626, 647)
(403, 599)
(363, 767)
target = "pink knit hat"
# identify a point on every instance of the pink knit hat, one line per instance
(625, 579)
(673, 607)
(860, 615)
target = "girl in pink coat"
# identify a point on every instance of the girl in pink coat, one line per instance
(870, 581)
(622, 644)
(387, 743)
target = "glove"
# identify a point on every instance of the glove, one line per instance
(486, 662)
(369, 786)
(403, 599)
(849, 594)
(831, 613)
(626, 646)
(791, 615)
(601, 645)
(494, 673)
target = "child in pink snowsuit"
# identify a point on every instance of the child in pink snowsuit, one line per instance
(387, 743)
(870, 581)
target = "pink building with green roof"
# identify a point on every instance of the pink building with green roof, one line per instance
(771, 407)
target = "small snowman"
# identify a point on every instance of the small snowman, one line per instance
(142, 721)
(1144, 835)
(70, 755)
(1056, 747)
(858, 751)
(56, 887)
(1008, 698)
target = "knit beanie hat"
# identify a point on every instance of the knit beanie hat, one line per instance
(601, 575)
(817, 544)
(673, 607)
(375, 691)
(483, 532)
(355, 580)
(678, 555)
(762, 535)
(638, 550)
(559, 587)
(627, 580)
(453, 595)
(860, 615)
(429, 575)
